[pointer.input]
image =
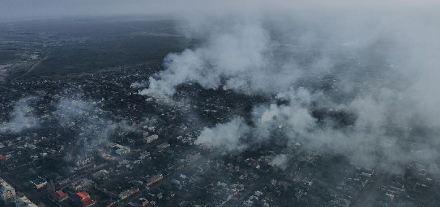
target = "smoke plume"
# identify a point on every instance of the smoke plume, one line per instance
(343, 80)
(224, 136)
(21, 118)
(89, 123)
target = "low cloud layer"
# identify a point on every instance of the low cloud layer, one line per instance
(360, 85)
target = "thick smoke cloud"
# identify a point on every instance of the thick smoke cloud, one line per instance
(360, 83)
(21, 118)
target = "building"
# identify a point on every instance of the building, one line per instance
(24, 202)
(125, 194)
(7, 192)
(60, 196)
(39, 183)
(151, 138)
(3, 158)
(163, 146)
(120, 150)
(155, 179)
(82, 199)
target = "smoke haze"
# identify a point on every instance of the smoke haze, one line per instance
(357, 78)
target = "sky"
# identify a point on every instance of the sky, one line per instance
(29, 9)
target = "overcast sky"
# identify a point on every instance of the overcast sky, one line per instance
(13, 9)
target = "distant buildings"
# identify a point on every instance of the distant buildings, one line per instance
(7, 192)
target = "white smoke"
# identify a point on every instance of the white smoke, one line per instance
(89, 123)
(225, 136)
(279, 161)
(21, 118)
(382, 69)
